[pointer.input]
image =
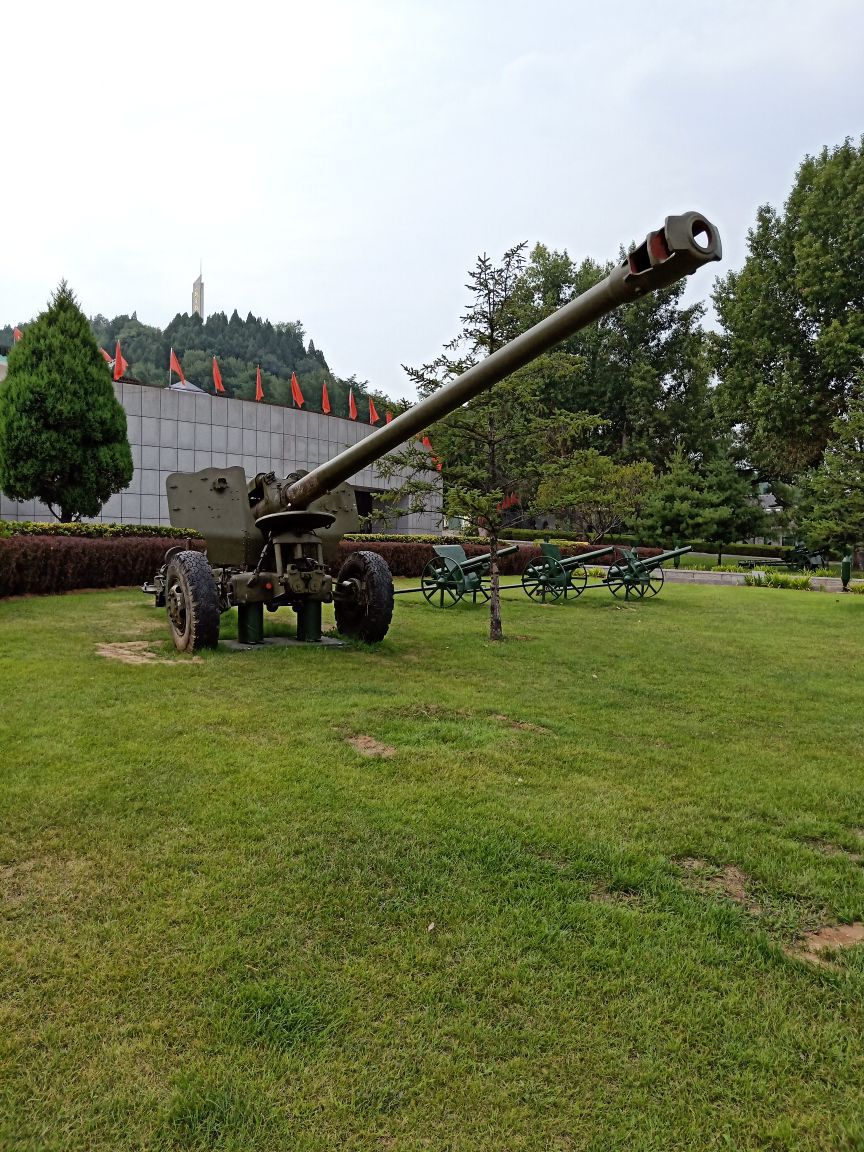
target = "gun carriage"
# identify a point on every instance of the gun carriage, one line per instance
(270, 540)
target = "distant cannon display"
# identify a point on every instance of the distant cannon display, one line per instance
(553, 576)
(269, 540)
(451, 575)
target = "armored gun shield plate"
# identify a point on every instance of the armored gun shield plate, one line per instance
(215, 502)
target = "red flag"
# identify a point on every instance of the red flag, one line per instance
(17, 334)
(174, 366)
(388, 416)
(120, 364)
(373, 415)
(217, 377)
(352, 407)
(427, 443)
(296, 394)
(325, 400)
(259, 391)
(106, 356)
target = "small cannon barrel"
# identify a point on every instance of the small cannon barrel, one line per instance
(682, 245)
(656, 561)
(478, 561)
(575, 561)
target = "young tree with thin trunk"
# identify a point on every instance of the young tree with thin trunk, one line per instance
(498, 445)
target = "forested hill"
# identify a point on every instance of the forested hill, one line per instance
(239, 345)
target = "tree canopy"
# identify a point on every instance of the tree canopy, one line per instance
(790, 354)
(62, 430)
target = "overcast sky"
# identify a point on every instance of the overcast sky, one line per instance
(343, 163)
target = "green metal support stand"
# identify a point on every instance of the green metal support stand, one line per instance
(250, 623)
(309, 622)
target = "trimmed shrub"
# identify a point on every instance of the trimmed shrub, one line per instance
(409, 559)
(93, 531)
(403, 538)
(43, 565)
(48, 564)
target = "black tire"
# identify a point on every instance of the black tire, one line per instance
(192, 600)
(367, 616)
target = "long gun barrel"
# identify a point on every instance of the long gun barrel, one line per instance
(682, 245)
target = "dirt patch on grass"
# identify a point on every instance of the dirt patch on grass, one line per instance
(830, 938)
(602, 894)
(522, 725)
(42, 878)
(138, 652)
(369, 746)
(826, 848)
(727, 881)
(430, 711)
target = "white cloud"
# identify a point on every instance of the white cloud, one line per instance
(343, 163)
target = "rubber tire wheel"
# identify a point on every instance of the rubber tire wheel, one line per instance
(197, 599)
(367, 618)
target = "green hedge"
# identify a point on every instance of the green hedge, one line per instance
(409, 559)
(43, 565)
(404, 538)
(763, 550)
(93, 531)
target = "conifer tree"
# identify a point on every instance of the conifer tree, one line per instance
(62, 430)
(677, 509)
(831, 510)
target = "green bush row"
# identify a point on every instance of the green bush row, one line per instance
(93, 531)
(44, 565)
(41, 565)
(403, 538)
(771, 579)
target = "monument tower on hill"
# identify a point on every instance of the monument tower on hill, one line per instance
(198, 295)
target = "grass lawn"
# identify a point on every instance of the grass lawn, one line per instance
(560, 912)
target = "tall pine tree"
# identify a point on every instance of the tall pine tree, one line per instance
(62, 431)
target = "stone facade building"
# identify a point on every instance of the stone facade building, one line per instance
(180, 430)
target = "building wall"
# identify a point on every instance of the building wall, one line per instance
(171, 430)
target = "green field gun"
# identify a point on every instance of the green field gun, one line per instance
(799, 559)
(270, 540)
(450, 575)
(554, 575)
(634, 577)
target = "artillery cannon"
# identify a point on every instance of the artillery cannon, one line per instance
(634, 577)
(268, 540)
(451, 575)
(554, 575)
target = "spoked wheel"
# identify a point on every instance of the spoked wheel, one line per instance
(192, 600)
(656, 577)
(483, 591)
(443, 582)
(620, 584)
(578, 579)
(365, 613)
(544, 580)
